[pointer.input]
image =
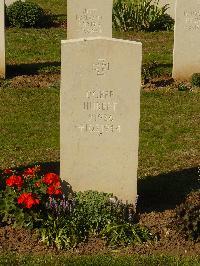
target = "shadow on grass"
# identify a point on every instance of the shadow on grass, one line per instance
(165, 191)
(32, 69)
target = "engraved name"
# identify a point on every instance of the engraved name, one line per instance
(192, 20)
(89, 21)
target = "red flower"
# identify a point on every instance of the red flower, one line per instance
(8, 171)
(52, 190)
(58, 192)
(30, 172)
(50, 179)
(14, 181)
(28, 200)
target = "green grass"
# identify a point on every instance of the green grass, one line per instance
(29, 126)
(12, 259)
(169, 131)
(29, 46)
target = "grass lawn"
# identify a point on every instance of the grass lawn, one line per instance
(98, 260)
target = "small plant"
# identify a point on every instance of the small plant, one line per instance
(25, 14)
(188, 216)
(150, 70)
(195, 79)
(99, 209)
(125, 234)
(183, 87)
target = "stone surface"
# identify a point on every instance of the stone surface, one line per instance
(171, 9)
(9, 2)
(100, 110)
(2, 40)
(187, 39)
(89, 18)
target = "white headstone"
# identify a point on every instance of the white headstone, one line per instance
(100, 111)
(9, 2)
(89, 18)
(2, 40)
(186, 39)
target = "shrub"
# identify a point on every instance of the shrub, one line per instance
(150, 70)
(195, 79)
(129, 15)
(188, 216)
(162, 23)
(25, 14)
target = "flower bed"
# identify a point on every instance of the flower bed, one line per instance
(34, 200)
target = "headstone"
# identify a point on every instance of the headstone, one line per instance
(89, 18)
(9, 2)
(100, 110)
(2, 40)
(187, 39)
(171, 5)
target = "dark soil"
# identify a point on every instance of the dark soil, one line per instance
(169, 240)
(33, 81)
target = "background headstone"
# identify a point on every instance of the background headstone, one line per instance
(89, 18)
(100, 110)
(2, 40)
(186, 39)
(9, 2)
(171, 9)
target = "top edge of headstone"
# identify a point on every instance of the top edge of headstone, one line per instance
(99, 38)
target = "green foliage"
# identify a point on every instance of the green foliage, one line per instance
(162, 22)
(183, 87)
(195, 79)
(25, 14)
(125, 234)
(59, 232)
(93, 214)
(99, 209)
(136, 15)
(149, 71)
(188, 216)
(12, 214)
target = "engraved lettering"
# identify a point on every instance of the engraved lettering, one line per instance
(89, 21)
(192, 20)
